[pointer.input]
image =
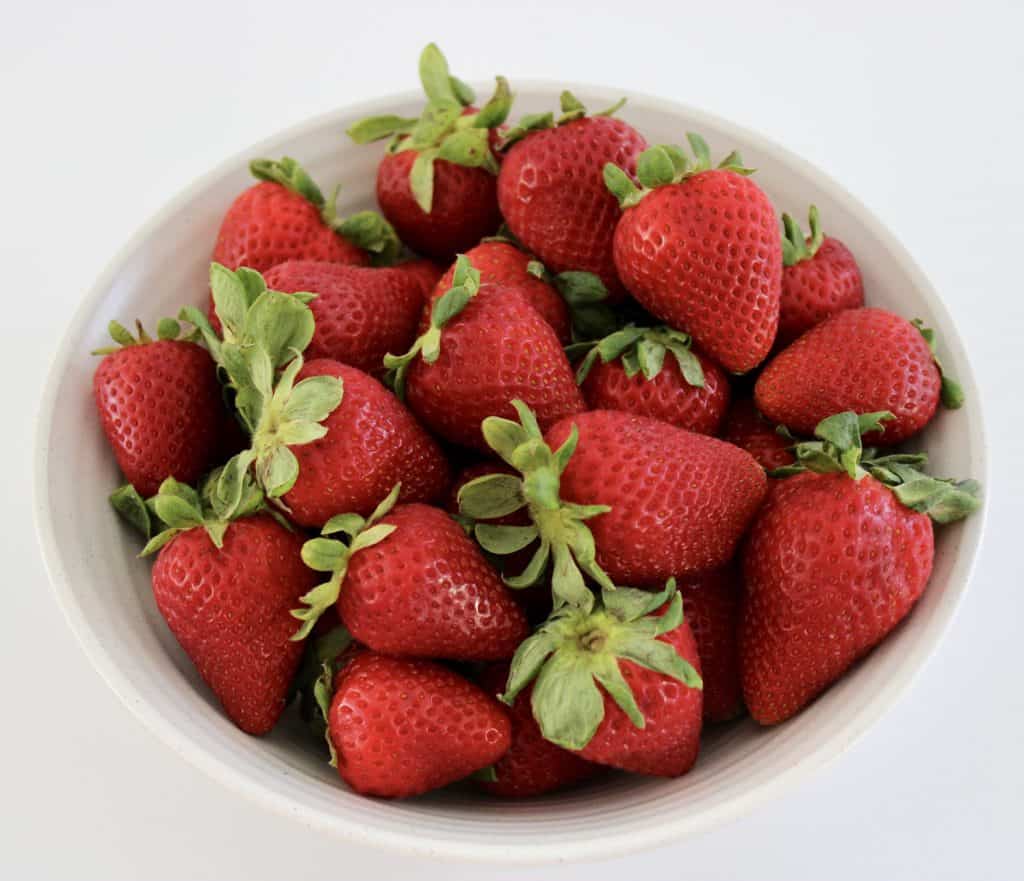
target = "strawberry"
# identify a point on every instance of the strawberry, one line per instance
(401, 727)
(712, 606)
(836, 558)
(225, 581)
(409, 582)
(159, 403)
(628, 370)
(485, 347)
(862, 360)
(699, 248)
(425, 272)
(819, 278)
(361, 313)
(750, 431)
(550, 187)
(436, 184)
(532, 766)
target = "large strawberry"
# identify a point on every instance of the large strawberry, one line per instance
(865, 360)
(485, 347)
(651, 371)
(408, 581)
(819, 278)
(159, 404)
(436, 183)
(699, 248)
(836, 558)
(551, 191)
(749, 430)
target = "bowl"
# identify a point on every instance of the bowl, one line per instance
(105, 593)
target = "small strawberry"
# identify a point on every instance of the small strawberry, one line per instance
(425, 272)
(409, 582)
(629, 370)
(819, 278)
(485, 347)
(699, 248)
(160, 406)
(750, 431)
(835, 559)
(436, 183)
(551, 191)
(865, 360)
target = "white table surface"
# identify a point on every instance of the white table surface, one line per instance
(915, 107)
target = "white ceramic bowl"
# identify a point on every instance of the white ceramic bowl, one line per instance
(105, 591)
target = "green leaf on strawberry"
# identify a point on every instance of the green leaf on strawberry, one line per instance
(795, 247)
(571, 109)
(643, 350)
(952, 392)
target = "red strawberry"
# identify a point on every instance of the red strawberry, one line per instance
(712, 606)
(436, 184)
(409, 582)
(485, 347)
(533, 765)
(402, 727)
(361, 313)
(225, 588)
(629, 370)
(750, 431)
(425, 272)
(160, 406)
(819, 278)
(864, 360)
(551, 191)
(834, 561)
(699, 248)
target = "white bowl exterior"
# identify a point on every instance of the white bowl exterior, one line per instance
(105, 591)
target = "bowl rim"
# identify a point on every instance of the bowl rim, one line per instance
(411, 842)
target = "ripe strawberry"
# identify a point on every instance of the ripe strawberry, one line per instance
(819, 278)
(361, 313)
(750, 431)
(225, 581)
(160, 406)
(532, 766)
(402, 727)
(834, 561)
(862, 360)
(485, 347)
(409, 582)
(425, 272)
(551, 192)
(699, 248)
(628, 370)
(712, 606)
(436, 183)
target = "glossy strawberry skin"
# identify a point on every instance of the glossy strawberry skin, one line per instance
(532, 766)
(668, 744)
(749, 430)
(427, 591)
(680, 501)
(865, 360)
(229, 609)
(361, 313)
(497, 349)
(402, 727)
(831, 566)
(704, 256)
(160, 407)
(668, 397)
(818, 287)
(425, 272)
(711, 604)
(464, 208)
(372, 443)
(553, 197)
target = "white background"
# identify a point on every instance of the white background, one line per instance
(110, 108)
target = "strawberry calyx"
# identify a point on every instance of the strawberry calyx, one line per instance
(642, 350)
(795, 246)
(364, 229)
(128, 502)
(666, 164)
(557, 525)
(951, 393)
(585, 295)
(166, 329)
(465, 285)
(577, 649)
(839, 449)
(324, 657)
(572, 109)
(332, 555)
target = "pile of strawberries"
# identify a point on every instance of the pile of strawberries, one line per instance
(501, 510)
